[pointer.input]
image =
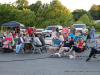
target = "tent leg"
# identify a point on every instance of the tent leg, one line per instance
(2, 29)
(6, 30)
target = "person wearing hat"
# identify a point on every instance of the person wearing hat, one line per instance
(65, 30)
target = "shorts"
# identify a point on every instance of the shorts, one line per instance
(52, 47)
(66, 48)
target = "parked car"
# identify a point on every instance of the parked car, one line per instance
(39, 31)
(49, 29)
(80, 26)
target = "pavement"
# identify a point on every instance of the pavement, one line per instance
(43, 64)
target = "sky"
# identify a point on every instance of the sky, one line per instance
(70, 4)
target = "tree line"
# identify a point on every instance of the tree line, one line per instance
(43, 15)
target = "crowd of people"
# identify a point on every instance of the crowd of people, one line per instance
(67, 41)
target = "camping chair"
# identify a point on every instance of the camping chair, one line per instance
(1, 44)
(36, 49)
(15, 42)
(6, 47)
(71, 35)
(10, 40)
(97, 54)
(81, 54)
(43, 44)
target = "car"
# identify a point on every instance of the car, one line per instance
(39, 31)
(80, 26)
(49, 29)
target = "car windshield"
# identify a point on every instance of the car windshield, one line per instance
(49, 28)
(79, 26)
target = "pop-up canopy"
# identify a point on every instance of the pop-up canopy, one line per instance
(12, 24)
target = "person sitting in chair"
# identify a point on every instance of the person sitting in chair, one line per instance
(94, 50)
(37, 41)
(56, 44)
(66, 46)
(20, 43)
(77, 47)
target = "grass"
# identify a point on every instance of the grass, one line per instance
(97, 32)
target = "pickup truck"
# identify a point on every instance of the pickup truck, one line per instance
(49, 29)
(80, 26)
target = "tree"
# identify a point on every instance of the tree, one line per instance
(22, 2)
(55, 13)
(7, 13)
(95, 12)
(78, 13)
(36, 6)
(84, 19)
(26, 17)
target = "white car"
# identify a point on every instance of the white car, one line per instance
(80, 26)
(39, 31)
(49, 29)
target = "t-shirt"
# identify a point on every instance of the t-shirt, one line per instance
(57, 30)
(21, 39)
(93, 31)
(38, 42)
(61, 38)
(29, 31)
(13, 34)
(80, 44)
(65, 31)
(83, 31)
(72, 30)
(18, 30)
(68, 43)
(57, 42)
(53, 35)
(34, 30)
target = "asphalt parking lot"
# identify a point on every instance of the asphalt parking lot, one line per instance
(43, 64)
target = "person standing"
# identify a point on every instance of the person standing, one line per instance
(65, 30)
(18, 30)
(29, 31)
(53, 34)
(72, 30)
(15, 30)
(34, 30)
(93, 33)
(57, 30)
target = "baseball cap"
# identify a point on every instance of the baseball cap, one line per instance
(64, 25)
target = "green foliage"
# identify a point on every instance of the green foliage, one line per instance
(54, 14)
(26, 17)
(6, 13)
(36, 6)
(43, 15)
(22, 2)
(95, 12)
(78, 13)
(84, 19)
